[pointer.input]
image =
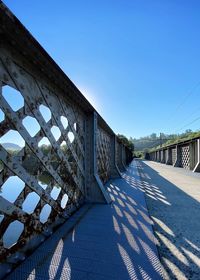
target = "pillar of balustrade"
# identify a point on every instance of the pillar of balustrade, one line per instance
(94, 189)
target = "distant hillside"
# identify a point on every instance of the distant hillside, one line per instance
(11, 146)
(149, 142)
(153, 141)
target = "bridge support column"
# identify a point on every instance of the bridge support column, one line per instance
(197, 166)
(114, 168)
(192, 151)
(178, 157)
(169, 156)
(123, 168)
(159, 155)
(94, 189)
(123, 157)
(162, 156)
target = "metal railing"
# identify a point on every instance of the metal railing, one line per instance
(185, 154)
(56, 152)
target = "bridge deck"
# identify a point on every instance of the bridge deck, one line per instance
(109, 241)
(173, 200)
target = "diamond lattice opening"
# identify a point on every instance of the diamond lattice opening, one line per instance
(56, 132)
(70, 136)
(64, 201)
(12, 142)
(63, 145)
(12, 187)
(44, 214)
(13, 97)
(30, 202)
(64, 148)
(30, 161)
(45, 112)
(31, 125)
(64, 121)
(55, 192)
(44, 179)
(45, 145)
(43, 185)
(12, 234)
(2, 116)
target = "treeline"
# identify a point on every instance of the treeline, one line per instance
(153, 141)
(127, 142)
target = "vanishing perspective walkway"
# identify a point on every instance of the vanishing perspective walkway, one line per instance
(101, 241)
(173, 200)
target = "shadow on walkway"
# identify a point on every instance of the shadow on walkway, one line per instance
(176, 219)
(110, 241)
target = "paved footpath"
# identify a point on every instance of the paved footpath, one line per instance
(173, 200)
(109, 242)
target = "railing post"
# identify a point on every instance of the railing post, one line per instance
(161, 156)
(191, 155)
(197, 166)
(164, 156)
(178, 156)
(169, 156)
(123, 157)
(158, 156)
(122, 167)
(128, 155)
(94, 189)
(159, 159)
(114, 168)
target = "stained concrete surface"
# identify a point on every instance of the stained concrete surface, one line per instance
(173, 200)
(113, 241)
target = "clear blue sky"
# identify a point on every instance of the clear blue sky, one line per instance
(137, 61)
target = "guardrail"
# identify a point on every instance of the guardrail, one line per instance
(56, 151)
(185, 154)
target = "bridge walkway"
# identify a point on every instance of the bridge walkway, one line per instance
(113, 241)
(173, 201)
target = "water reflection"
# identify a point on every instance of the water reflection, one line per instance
(14, 186)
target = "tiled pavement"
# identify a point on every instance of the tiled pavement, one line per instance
(110, 241)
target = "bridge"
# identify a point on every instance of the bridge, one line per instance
(72, 202)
